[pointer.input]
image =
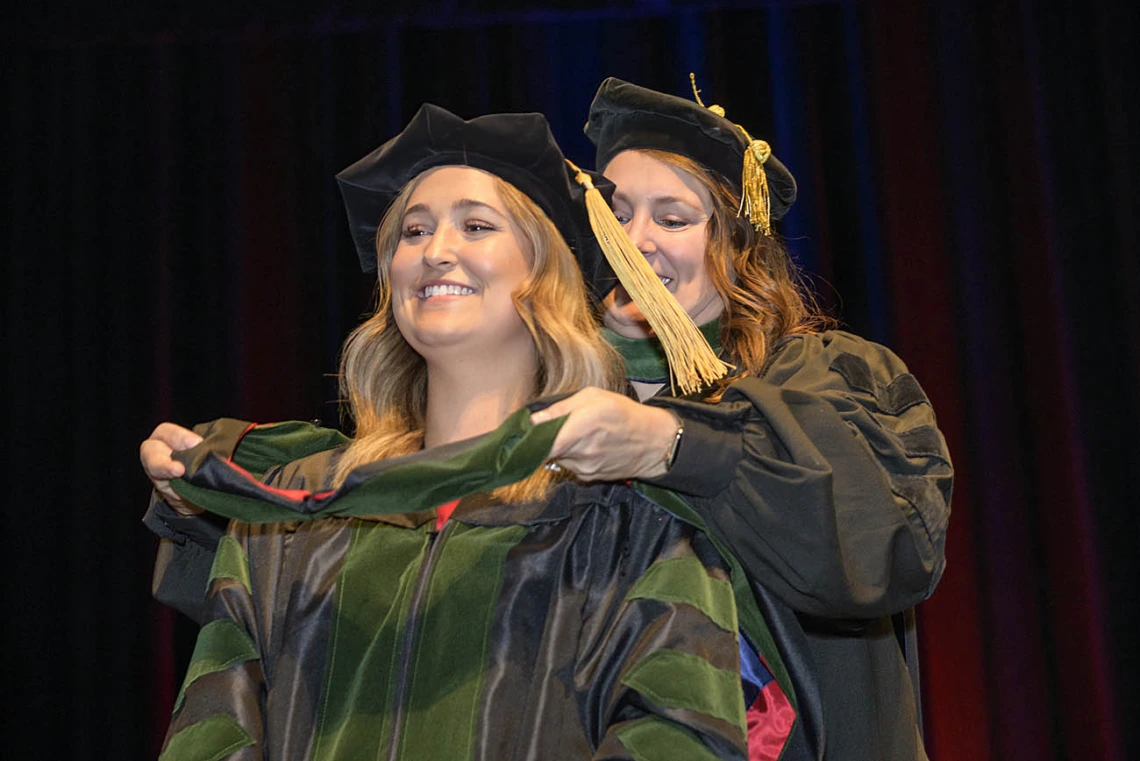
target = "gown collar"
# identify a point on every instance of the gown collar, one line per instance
(645, 359)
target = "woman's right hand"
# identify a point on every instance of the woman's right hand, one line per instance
(155, 455)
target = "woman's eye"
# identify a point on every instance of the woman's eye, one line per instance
(622, 218)
(414, 231)
(478, 226)
(672, 224)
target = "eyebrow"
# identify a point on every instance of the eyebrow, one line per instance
(462, 204)
(662, 200)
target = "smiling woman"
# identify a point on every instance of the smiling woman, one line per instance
(457, 265)
(818, 461)
(481, 305)
(666, 213)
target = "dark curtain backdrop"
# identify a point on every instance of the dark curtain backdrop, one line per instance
(174, 248)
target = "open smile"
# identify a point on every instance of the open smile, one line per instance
(429, 291)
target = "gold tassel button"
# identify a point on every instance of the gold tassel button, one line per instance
(692, 362)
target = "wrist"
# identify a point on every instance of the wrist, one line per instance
(674, 444)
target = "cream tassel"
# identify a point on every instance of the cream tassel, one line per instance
(692, 361)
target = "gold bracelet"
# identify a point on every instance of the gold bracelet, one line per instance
(674, 445)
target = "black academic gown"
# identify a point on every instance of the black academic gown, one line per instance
(829, 480)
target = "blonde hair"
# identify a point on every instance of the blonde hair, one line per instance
(764, 295)
(383, 380)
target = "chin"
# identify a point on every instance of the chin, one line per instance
(438, 339)
(628, 322)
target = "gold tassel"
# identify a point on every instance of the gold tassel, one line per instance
(754, 199)
(692, 361)
(755, 203)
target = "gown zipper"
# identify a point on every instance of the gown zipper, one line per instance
(408, 640)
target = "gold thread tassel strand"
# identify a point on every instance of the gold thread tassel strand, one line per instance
(692, 362)
(755, 202)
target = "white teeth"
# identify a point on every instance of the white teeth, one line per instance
(445, 290)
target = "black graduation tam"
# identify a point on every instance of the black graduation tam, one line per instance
(518, 148)
(624, 116)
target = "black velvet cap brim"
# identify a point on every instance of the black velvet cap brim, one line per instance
(624, 116)
(519, 148)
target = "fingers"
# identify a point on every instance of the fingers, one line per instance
(611, 437)
(155, 453)
(586, 443)
(589, 397)
(569, 436)
(556, 410)
(176, 437)
(155, 456)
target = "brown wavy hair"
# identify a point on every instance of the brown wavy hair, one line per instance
(764, 294)
(383, 380)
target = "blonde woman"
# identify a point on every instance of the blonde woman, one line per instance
(428, 589)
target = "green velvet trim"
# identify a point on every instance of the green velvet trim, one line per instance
(451, 651)
(268, 446)
(645, 359)
(451, 630)
(230, 562)
(210, 739)
(685, 580)
(507, 455)
(751, 619)
(652, 738)
(220, 645)
(354, 719)
(673, 679)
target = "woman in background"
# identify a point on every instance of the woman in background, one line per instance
(818, 460)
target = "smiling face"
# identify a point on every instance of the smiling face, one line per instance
(666, 213)
(458, 260)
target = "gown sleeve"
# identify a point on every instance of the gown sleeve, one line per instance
(658, 667)
(186, 548)
(188, 544)
(219, 709)
(826, 475)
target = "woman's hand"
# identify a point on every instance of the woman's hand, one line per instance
(610, 437)
(155, 454)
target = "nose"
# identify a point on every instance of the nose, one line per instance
(640, 231)
(440, 249)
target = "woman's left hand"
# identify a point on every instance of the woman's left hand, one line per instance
(610, 437)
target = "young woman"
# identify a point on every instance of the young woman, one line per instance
(428, 589)
(818, 460)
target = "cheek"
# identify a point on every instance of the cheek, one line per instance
(690, 256)
(400, 271)
(402, 276)
(503, 269)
